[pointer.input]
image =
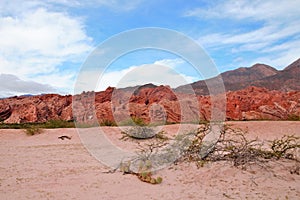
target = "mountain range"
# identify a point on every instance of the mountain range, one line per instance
(254, 93)
(259, 75)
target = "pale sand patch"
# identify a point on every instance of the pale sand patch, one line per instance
(44, 167)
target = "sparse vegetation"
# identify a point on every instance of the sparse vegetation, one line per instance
(133, 121)
(49, 124)
(107, 123)
(143, 132)
(33, 130)
(144, 172)
(234, 147)
(37, 128)
(284, 147)
(57, 124)
(146, 149)
(294, 117)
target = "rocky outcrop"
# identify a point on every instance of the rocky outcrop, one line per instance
(160, 104)
(150, 104)
(259, 103)
(36, 108)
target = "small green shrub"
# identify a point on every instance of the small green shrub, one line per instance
(133, 121)
(138, 121)
(294, 117)
(145, 174)
(33, 130)
(158, 180)
(162, 135)
(107, 123)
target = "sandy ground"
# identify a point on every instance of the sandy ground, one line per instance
(44, 167)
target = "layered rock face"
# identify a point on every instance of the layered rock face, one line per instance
(151, 104)
(259, 103)
(36, 108)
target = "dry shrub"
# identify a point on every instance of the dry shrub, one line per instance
(234, 147)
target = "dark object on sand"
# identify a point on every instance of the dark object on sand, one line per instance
(65, 137)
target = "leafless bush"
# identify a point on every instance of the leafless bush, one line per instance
(234, 147)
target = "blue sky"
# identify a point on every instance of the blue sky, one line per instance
(43, 43)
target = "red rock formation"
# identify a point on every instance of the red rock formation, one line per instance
(37, 108)
(260, 103)
(151, 104)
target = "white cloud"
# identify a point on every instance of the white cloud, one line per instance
(279, 23)
(173, 63)
(38, 37)
(160, 73)
(62, 81)
(11, 85)
(35, 43)
(243, 9)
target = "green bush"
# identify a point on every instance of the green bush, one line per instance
(33, 130)
(107, 123)
(294, 118)
(134, 121)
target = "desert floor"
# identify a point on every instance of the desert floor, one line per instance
(45, 167)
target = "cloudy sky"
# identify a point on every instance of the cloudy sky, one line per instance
(44, 43)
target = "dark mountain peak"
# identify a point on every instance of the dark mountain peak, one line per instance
(264, 69)
(248, 74)
(258, 68)
(294, 66)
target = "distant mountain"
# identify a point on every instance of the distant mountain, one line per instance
(259, 75)
(286, 80)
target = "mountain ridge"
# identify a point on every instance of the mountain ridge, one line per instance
(260, 75)
(255, 93)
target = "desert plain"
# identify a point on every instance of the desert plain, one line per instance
(45, 167)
